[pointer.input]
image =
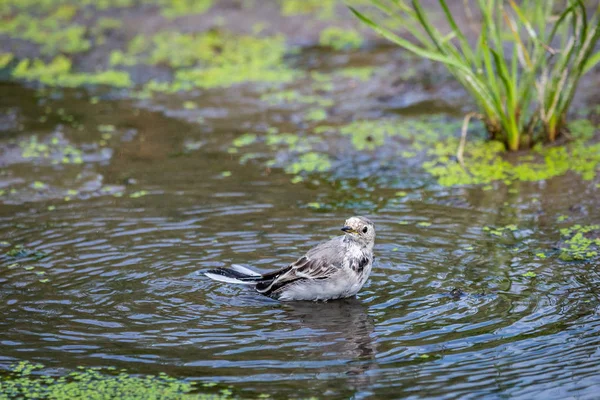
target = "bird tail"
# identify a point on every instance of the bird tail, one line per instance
(235, 274)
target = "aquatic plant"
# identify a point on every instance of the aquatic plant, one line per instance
(309, 163)
(58, 72)
(486, 163)
(582, 242)
(94, 383)
(5, 59)
(50, 32)
(340, 39)
(178, 8)
(324, 9)
(209, 59)
(523, 69)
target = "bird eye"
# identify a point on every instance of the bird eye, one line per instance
(365, 229)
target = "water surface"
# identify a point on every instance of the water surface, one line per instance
(447, 312)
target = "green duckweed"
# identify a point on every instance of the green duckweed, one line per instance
(5, 59)
(138, 194)
(500, 231)
(50, 32)
(58, 73)
(209, 59)
(244, 140)
(322, 8)
(315, 115)
(309, 163)
(178, 8)
(581, 242)
(340, 39)
(485, 161)
(295, 97)
(54, 149)
(23, 381)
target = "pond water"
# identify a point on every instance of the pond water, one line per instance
(102, 260)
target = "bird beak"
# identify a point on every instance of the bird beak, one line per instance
(347, 229)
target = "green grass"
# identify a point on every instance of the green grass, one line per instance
(524, 67)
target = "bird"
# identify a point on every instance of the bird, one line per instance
(331, 270)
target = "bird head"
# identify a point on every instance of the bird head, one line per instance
(361, 230)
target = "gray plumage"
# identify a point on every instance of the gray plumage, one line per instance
(331, 270)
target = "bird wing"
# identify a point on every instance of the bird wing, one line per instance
(304, 268)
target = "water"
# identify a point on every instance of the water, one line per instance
(446, 313)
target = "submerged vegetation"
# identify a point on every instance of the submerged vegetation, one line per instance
(524, 68)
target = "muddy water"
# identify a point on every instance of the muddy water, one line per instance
(112, 249)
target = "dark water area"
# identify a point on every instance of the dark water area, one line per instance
(112, 248)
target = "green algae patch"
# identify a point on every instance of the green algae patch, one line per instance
(178, 8)
(323, 9)
(46, 6)
(310, 162)
(340, 39)
(500, 231)
(369, 135)
(5, 59)
(295, 97)
(580, 242)
(315, 115)
(56, 150)
(22, 381)
(485, 162)
(372, 134)
(209, 59)
(58, 72)
(50, 32)
(244, 140)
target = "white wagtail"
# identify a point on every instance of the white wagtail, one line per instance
(332, 270)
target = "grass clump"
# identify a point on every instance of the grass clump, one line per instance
(524, 67)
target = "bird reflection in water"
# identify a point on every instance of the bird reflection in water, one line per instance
(345, 331)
